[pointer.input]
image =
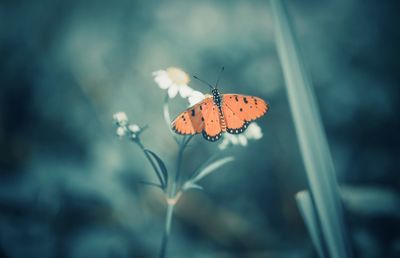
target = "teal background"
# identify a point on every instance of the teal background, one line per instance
(68, 184)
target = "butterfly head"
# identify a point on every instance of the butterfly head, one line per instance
(215, 92)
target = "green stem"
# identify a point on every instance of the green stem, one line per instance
(167, 230)
(178, 167)
(172, 198)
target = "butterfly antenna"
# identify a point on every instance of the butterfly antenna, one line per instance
(197, 78)
(219, 76)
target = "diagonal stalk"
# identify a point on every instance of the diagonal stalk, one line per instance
(311, 136)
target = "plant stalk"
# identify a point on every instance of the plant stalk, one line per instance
(167, 230)
(172, 199)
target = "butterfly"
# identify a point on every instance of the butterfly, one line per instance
(219, 113)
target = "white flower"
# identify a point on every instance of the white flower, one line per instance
(195, 97)
(121, 131)
(120, 118)
(253, 132)
(133, 128)
(123, 128)
(174, 80)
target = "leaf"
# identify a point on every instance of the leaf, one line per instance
(311, 136)
(200, 168)
(211, 168)
(162, 169)
(151, 184)
(156, 170)
(189, 185)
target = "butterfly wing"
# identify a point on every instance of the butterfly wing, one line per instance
(240, 110)
(191, 121)
(247, 108)
(212, 123)
(204, 117)
(201, 118)
(234, 124)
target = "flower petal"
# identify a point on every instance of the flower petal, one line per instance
(172, 91)
(185, 91)
(120, 118)
(133, 128)
(242, 140)
(195, 97)
(233, 139)
(120, 131)
(254, 132)
(224, 144)
(162, 79)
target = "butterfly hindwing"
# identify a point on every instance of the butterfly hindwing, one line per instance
(212, 125)
(234, 124)
(246, 108)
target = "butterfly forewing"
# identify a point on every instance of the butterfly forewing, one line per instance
(189, 121)
(246, 108)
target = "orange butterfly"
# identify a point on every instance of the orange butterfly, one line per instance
(219, 113)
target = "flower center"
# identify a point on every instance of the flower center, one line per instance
(178, 76)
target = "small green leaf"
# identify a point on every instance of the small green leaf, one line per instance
(151, 184)
(162, 169)
(189, 185)
(205, 164)
(211, 168)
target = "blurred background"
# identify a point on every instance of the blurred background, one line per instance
(68, 184)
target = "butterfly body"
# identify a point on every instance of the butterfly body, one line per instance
(217, 98)
(220, 113)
